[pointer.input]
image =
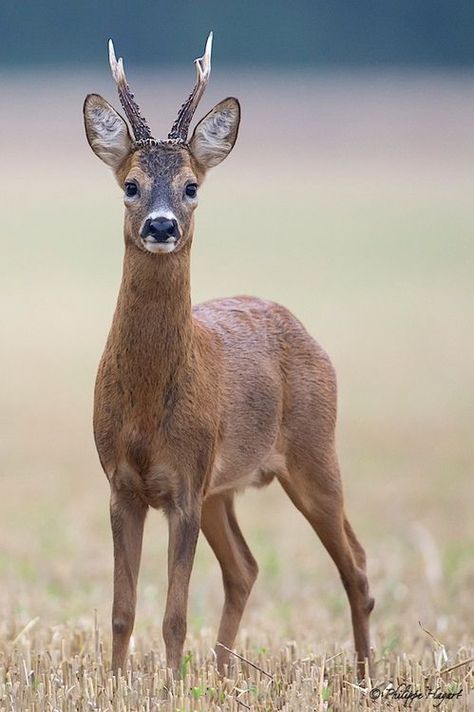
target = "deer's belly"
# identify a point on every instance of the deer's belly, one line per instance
(227, 475)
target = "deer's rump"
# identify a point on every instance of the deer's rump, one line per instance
(278, 391)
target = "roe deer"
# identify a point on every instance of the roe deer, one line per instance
(193, 404)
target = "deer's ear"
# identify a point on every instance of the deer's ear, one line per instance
(215, 135)
(106, 131)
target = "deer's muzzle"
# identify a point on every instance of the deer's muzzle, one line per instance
(160, 230)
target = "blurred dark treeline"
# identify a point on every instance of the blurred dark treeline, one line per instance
(247, 32)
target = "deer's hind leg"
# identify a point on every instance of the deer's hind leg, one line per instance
(239, 568)
(316, 490)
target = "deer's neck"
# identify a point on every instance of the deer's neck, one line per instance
(153, 325)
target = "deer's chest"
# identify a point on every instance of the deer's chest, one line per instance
(159, 453)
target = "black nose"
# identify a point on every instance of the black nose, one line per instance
(160, 229)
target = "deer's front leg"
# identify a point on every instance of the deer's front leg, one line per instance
(183, 535)
(127, 517)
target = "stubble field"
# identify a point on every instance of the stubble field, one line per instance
(348, 199)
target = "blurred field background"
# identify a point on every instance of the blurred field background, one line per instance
(349, 199)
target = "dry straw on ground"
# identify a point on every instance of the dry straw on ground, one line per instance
(69, 672)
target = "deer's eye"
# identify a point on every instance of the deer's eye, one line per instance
(131, 189)
(191, 190)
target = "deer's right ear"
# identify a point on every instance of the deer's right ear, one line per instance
(106, 131)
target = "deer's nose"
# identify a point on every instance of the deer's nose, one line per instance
(161, 229)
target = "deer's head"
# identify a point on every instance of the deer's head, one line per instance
(160, 178)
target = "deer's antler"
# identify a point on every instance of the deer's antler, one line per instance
(179, 130)
(140, 128)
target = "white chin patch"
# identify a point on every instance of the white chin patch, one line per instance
(160, 247)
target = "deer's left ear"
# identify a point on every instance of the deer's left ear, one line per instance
(215, 135)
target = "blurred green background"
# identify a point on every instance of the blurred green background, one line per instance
(280, 33)
(354, 169)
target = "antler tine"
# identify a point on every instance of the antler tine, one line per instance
(140, 128)
(179, 130)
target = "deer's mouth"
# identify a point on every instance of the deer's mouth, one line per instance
(153, 244)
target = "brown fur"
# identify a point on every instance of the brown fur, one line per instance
(194, 404)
